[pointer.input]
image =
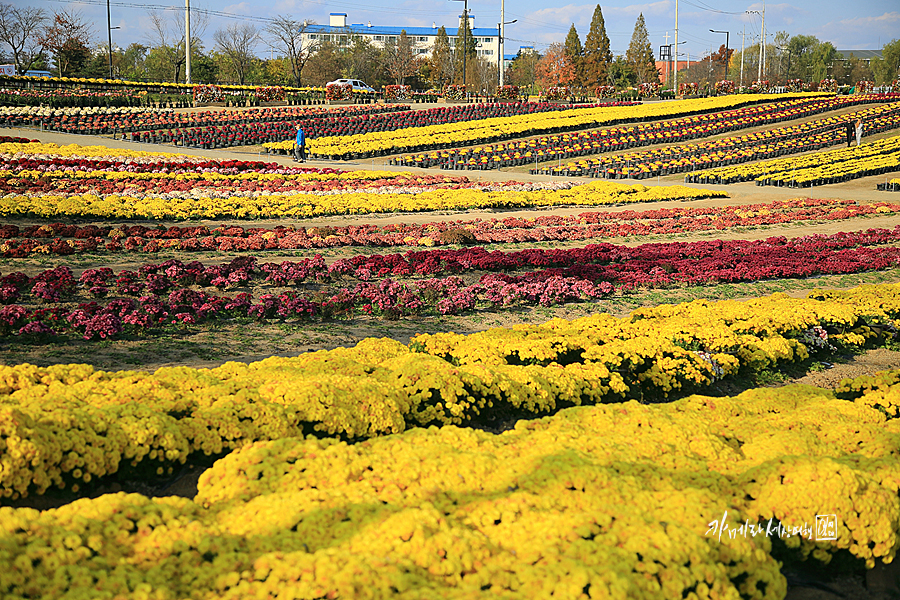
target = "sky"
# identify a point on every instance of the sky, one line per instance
(539, 23)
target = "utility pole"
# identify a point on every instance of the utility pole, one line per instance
(762, 47)
(109, 37)
(675, 79)
(187, 41)
(742, 54)
(501, 31)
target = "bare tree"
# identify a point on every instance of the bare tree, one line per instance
(400, 58)
(285, 35)
(68, 37)
(236, 43)
(20, 29)
(166, 37)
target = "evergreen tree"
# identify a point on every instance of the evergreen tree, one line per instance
(597, 55)
(465, 45)
(441, 63)
(639, 55)
(574, 52)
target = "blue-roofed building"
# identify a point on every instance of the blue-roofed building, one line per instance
(340, 32)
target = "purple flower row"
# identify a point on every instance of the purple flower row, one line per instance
(389, 298)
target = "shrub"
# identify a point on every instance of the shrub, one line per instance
(459, 236)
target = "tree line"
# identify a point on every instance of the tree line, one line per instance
(586, 66)
(64, 44)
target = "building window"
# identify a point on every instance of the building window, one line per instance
(313, 36)
(423, 39)
(392, 38)
(488, 52)
(379, 38)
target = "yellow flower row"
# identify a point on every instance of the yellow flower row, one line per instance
(311, 205)
(883, 153)
(466, 132)
(625, 501)
(79, 151)
(66, 424)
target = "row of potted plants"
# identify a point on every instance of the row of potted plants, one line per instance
(833, 166)
(483, 131)
(278, 134)
(67, 98)
(111, 121)
(561, 146)
(805, 137)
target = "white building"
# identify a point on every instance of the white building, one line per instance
(487, 40)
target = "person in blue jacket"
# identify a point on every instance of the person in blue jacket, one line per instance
(300, 146)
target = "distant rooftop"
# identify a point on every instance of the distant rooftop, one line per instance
(865, 54)
(382, 30)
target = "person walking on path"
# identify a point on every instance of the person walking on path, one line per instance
(859, 131)
(300, 146)
(851, 130)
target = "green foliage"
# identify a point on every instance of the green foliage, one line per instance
(621, 74)
(465, 46)
(887, 68)
(597, 53)
(72, 58)
(640, 54)
(575, 54)
(441, 64)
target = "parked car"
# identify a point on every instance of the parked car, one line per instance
(358, 86)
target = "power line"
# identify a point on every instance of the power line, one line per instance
(710, 9)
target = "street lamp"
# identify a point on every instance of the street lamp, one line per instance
(465, 49)
(725, 76)
(500, 46)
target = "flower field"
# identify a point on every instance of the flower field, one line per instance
(233, 379)
(873, 158)
(387, 387)
(672, 131)
(58, 238)
(805, 137)
(483, 131)
(102, 303)
(547, 506)
(110, 193)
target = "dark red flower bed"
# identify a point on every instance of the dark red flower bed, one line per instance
(170, 292)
